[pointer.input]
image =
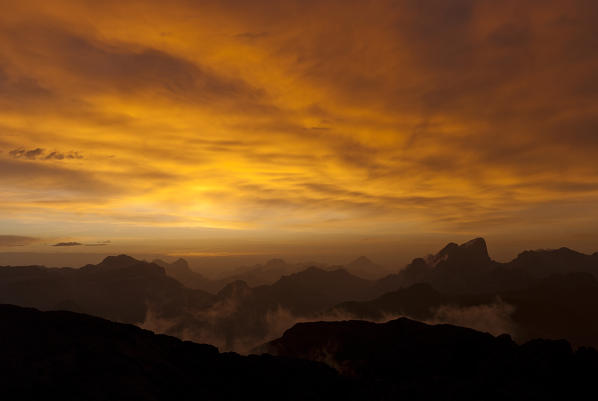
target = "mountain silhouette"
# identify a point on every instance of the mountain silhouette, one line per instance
(406, 359)
(70, 356)
(363, 267)
(180, 270)
(264, 274)
(314, 289)
(114, 262)
(558, 306)
(541, 263)
(119, 288)
(240, 315)
(468, 268)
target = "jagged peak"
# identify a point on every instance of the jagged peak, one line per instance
(478, 246)
(474, 251)
(475, 243)
(451, 246)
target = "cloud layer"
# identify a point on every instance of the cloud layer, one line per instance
(379, 117)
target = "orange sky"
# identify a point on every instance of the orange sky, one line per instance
(166, 124)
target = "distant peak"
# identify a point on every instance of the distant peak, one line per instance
(234, 289)
(180, 262)
(362, 260)
(313, 269)
(275, 262)
(119, 259)
(473, 251)
(118, 262)
(475, 243)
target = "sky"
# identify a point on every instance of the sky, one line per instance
(294, 127)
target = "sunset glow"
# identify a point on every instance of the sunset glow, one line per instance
(133, 121)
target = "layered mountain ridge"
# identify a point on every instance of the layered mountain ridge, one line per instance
(238, 315)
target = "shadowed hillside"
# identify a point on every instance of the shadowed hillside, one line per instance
(69, 356)
(460, 284)
(405, 359)
(559, 306)
(119, 288)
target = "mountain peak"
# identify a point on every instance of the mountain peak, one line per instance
(276, 263)
(119, 261)
(477, 245)
(474, 251)
(237, 288)
(181, 263)
(159, 262)
(449, 248)
(360, 261)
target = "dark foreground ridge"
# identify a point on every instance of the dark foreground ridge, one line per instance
(406, 359)
(71, 356)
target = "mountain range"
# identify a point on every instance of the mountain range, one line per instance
(406, 359)
(71, 356)
(543, 293)
(263, 274)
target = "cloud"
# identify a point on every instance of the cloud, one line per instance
(100, 243)
(27, 154)
(227, 325)
(41, 154)
(16, 240)
(251, 35)
(45, 177)
(390, 116)
(126, 67)
(74, 243)
(495, 318)
(61, 156)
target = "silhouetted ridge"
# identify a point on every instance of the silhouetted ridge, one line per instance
(460, 268)
(470, 252)
(119, 288)
(557, 306)
(365, 267)
(69, 356)
(416, 301)
(180, 270)
(447, 250)
(181, 263)
(276, 263)
(548, 261)
(406, 359)
(238, 288)
(118, 262)
(362, 260)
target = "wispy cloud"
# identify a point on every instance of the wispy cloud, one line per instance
(16, 240)
(416, 116)
(70, 243)
(41, 154)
